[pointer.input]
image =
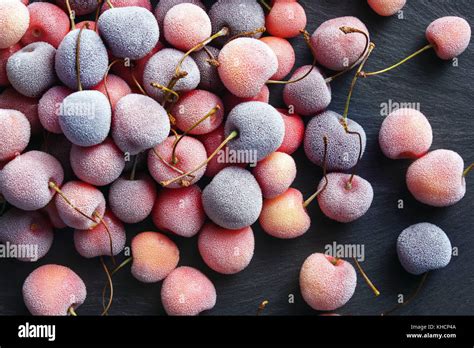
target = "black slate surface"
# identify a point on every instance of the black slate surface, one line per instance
(445, 95)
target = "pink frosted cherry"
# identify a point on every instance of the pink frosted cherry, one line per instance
(345, 198)
(386, 7)
(27, 228)
(25, 180)
(155, 256)
(449, 36)
(190, 153)
(116, 89)
(198, 107)
(275, 174)
(179, 211)
(186, 25)
(286, 19)
(285, 216)
(85, 197)
(284, 53)
(226, 251)
(294, 132)
(438, 178)
(187, 291)
(11, 99)
(246, 65)
(53, 290)
(405, 133)
(231, 101)
(335, 49)
(16, 131)
(48, 108)
(98, 165)
(327, 283)
(4, 55)
(48, 23)
(132, 200)
(96, 241)
(14, 22)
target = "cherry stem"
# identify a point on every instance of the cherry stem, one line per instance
(231, 136)
(139, 86)
(266, 5)
(134, 168)
(174, 159)
(350, 30)
(366, 278)
(467, 170)
(179, 74)
(249, 33)
(71, 15)
(97, 13)
(261, 307)
(78, 60)
(115, 270)
(109, 3)
(111, 287)
(105, 80)
(316, 194)
(354, 80)
(421, 50)
(404, 303)
(72, 312)
(212, 59)
(111, 244)
(167, 91)
(354, 170)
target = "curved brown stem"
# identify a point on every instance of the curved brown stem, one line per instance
(139, 86)
(167, 92)
(105, 79)
(212, 59)
(354, 80)
(261, 307)
(184, 182)
(231, 136)
(78, 59)
(354, 170)
(97, 14)
(318, 192)
(366, 278)
(109, 3)
(111, 286)
(111, 244)
(115, 270)
(174, 159)
(350, 30)
(404, 303)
